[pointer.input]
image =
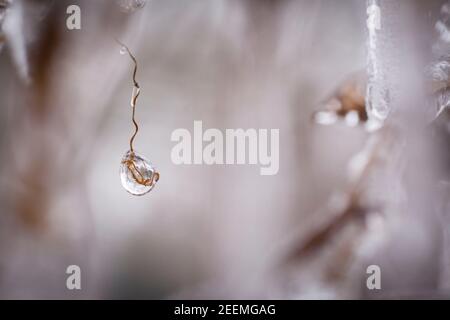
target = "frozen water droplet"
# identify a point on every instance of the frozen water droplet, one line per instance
(352, 119)
(129, 6)
(377, 100)
(123, 50)
(383, 60)
(325, 117)
(138, 176)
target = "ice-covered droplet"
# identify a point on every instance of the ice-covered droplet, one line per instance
(325, 117)
(352, 119)
(377, 95)
(377, 99)
(385, 57)
(129, 6)
(123, 50)
(137, 174)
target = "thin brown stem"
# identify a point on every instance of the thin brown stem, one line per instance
(135, 94)
(137, 175)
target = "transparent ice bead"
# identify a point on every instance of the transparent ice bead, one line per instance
(377, 100)
(129, 6)
(137, 174)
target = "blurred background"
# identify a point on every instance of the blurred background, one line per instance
(220, 231)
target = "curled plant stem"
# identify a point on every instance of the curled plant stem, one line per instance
(134, 96)
(137, 175)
